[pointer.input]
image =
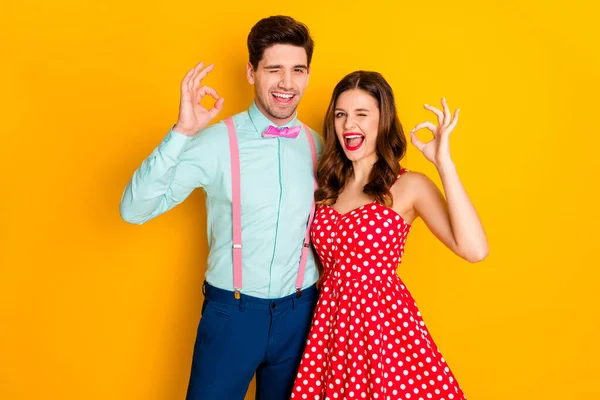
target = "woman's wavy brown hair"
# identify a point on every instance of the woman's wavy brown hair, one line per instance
(335, 169)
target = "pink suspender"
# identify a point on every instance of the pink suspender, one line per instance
(236, 210)
(236, 207)
(305, 248)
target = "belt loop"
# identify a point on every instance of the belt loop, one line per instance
(293, 301)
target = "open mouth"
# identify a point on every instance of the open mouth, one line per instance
(353, 140)
(283, 98)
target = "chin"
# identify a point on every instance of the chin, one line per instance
(357, 156)
(283, 112)
(354, 157)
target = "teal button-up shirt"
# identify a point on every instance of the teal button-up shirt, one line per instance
(277, 189)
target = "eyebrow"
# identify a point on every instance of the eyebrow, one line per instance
(358, 109)
(281, 66)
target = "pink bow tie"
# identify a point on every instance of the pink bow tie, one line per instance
(273, 131)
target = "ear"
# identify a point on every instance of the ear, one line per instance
(250, 73)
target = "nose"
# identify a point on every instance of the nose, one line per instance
(286, 80)
(349, 123)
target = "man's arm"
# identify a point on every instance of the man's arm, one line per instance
(179, 164)
(161, 182)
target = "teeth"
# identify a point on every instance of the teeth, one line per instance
(353, 136)
(283, 96)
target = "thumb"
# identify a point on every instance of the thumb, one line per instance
(216, 108)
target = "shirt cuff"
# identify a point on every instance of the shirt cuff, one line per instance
(174, 144)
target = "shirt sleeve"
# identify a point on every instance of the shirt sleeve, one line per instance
(177, 166)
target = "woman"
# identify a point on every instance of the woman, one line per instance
(368, 340)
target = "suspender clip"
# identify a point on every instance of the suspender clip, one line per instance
(298, 292)
(236, 294)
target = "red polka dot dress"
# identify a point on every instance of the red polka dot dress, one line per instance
(367, 339)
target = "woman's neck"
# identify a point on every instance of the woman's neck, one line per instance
(362, 170)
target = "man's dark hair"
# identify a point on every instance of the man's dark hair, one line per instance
(278, 29)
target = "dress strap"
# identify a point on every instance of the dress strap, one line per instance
(402, 172)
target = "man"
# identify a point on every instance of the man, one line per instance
(258, 304)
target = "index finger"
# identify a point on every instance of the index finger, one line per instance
(437, 112)
(425, 125)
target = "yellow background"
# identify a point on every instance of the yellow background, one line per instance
(94, 308)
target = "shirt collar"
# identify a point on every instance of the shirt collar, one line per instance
(261, 122)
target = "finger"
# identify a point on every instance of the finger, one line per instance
(207, 90)
(202, 75)
(197, 69)
(416, 142)
(447, 114)
(186, 78)
(440, 115)
(203, 91)
(216, 108)
(452, 125)
(426, 125)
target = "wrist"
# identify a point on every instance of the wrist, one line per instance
(445, 166)
(186, 132)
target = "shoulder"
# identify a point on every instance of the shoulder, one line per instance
(215, 135)
(412, 183)
(240, 120)
(317, 138)
(410, 177)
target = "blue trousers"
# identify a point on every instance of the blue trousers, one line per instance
(238, 338)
